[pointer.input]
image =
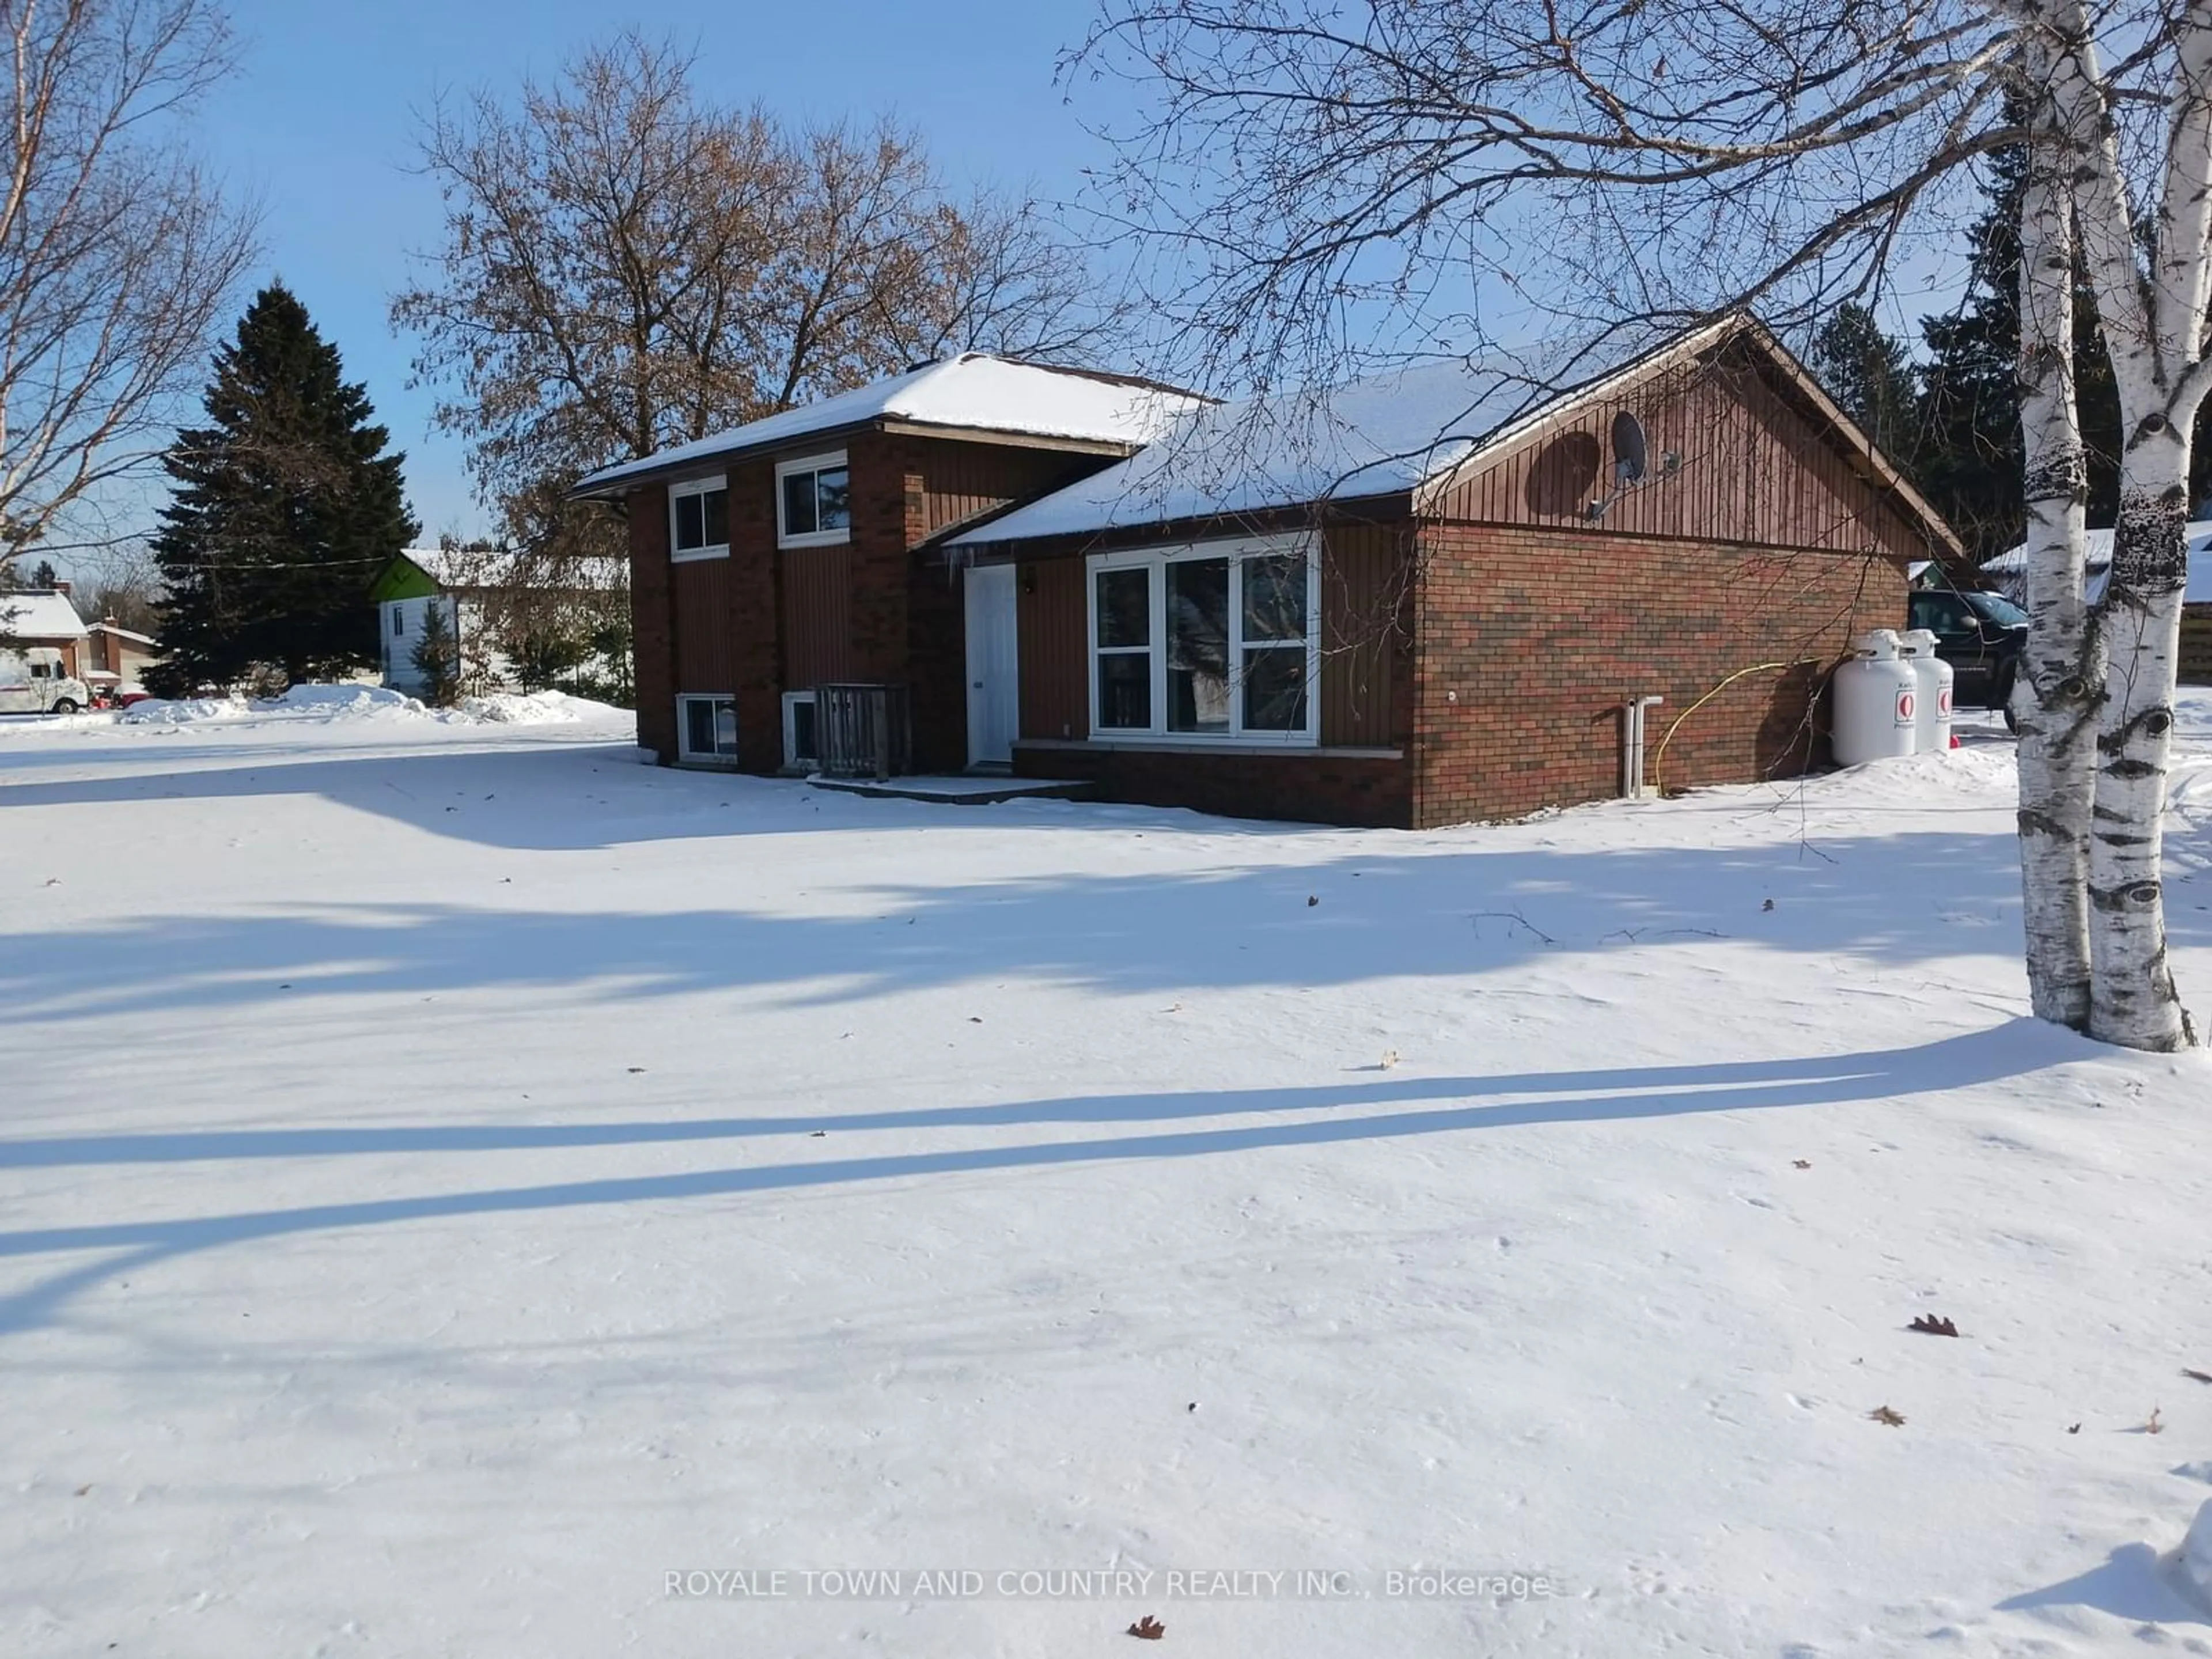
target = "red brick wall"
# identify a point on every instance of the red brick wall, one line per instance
(1374, 791)
(1529, 640)
(653, 623)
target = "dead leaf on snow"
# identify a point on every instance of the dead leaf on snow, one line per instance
(1149, 1628)
(1932, 1326)
(1884, 1415)
(2195, 1376)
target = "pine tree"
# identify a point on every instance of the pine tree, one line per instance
(285, 508)
(1970, 445)
(1869, 374)
(437, 657)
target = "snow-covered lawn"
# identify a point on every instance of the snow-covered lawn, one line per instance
(454, 1177)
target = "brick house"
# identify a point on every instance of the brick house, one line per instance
(46, 616)
(1429, 601)
(116, 655)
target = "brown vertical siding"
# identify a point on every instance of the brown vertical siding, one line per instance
(818, 618)
(1052, 615)
(1754, 468)
(960, 480)
(704, 659)
(751, 614)
(1365, 574)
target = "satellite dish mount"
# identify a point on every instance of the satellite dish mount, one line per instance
(1632, 462)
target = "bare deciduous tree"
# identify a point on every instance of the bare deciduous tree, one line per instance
(118, 253)
(1322, 185)
(628, 267)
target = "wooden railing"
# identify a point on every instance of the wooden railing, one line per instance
(863, 731)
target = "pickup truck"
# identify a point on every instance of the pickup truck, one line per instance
(1980, 635)
(34, 681)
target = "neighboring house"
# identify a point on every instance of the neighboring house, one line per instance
(115, 655)
(2007, 572)
(473, 589)
(1400, 608)
(45, 616)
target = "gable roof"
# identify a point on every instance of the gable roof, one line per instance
(1406, 432)
(974, 391)
(39, 614)
(458, 569)
(121, 632)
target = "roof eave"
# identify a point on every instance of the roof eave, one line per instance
(646, 474)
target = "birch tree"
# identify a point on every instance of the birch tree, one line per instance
(2054, 694)
(1323, 187)
(2154, 321)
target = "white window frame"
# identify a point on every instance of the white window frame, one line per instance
(700, 486)
(828, 461)
(791, 702)
(684, 751)
(1157, 561)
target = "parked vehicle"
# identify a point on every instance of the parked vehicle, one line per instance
(1981, 636)
(32, 681)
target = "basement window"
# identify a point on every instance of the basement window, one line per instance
(799, 752)
(699, 518)
(813, 501)
(1209, 642)
(707, 730)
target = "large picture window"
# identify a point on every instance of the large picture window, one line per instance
(813, 501)
(1217, 640)
(699, 518)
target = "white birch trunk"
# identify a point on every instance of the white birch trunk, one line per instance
(2133, 1001)
(2060, 673)
(2153, 331)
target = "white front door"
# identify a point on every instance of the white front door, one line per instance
(993, 668)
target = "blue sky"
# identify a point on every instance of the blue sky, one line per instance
(320, 122)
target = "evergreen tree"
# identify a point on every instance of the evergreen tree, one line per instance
(285, 508)
(1868, 373)
(1969, 460)
(437, 657)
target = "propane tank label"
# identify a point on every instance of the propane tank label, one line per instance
(1943, 702)
(1904, 708)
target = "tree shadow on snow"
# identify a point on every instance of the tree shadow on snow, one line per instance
(2130, 1584)
(554, 796)
(1617, 1095)
(1377, 915)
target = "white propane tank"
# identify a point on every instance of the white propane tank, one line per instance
(1876, 701)
(1932, 718)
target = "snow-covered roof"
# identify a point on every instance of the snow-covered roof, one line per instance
(2010, 567)
(454, 569)
(39, 615)
(1377, 436)
(121, 633)
(975, 392)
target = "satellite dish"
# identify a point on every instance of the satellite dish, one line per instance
(1630, 453)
